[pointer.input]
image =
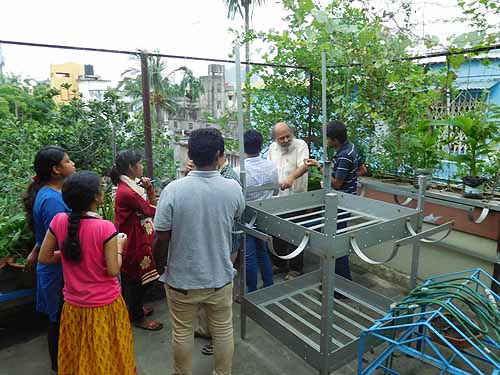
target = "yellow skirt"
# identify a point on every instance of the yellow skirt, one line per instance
(96, 340)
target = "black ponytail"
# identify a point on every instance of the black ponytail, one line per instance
(71, 245)
(124, 160)
(45, 160)
(79, 192)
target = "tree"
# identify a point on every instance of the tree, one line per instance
(164, 91)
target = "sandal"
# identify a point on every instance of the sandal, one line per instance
(208, 349)
(147, 310)
(292, 275)
(149, 325)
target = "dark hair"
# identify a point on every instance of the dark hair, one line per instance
(78, 191)
(124, 160)
(336, 130)
(45, 160)
(253, 142)
(205, 146)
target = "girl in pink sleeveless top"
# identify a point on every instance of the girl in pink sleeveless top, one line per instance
(95, 334)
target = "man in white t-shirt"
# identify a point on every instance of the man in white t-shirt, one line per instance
(288, 154)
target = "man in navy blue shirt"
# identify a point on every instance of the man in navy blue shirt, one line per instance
(347, 166)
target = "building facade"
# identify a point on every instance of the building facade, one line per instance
(73, 79)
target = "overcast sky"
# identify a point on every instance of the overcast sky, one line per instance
(179, 27)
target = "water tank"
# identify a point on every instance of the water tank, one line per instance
(89, 70)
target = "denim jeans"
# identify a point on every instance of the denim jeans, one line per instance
(342, 267)
(257, 255)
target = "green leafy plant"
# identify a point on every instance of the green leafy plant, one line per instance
(15, 236)
(422, 146)
(481, 131)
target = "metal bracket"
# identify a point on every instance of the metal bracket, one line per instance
(248, 228)
(405, 203)
(448, 227)
(364, 257)
(363, 190)
(481, 218)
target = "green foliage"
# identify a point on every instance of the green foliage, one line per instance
(422, 144)
(30, 120)
(481, 130)
(14, 235)
(369, 86)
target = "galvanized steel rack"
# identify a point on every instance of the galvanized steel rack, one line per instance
(304, 313)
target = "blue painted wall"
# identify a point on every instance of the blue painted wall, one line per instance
(475, 70)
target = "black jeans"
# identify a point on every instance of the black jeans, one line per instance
(53, 342)
(284, 248)
(133, 293)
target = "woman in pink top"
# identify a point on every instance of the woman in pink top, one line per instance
(95, 334)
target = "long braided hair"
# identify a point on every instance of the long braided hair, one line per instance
(45, 160)
(79, 192)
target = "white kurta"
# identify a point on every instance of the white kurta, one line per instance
(289, 162)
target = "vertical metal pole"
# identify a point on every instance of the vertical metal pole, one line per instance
(331, 209)
(327, 302)
(309, 116)
(327, 166)
(422, 186)
(239, 103)
(323, 104)
(327, 262)
(146, 108)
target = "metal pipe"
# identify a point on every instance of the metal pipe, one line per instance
(323, 104)
(146, 109)
(239, 105)
(422, 186)
(309, 116)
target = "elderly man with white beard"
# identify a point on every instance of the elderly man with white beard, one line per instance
(289, 154)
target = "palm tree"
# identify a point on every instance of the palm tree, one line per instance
(242, 7)
(163, 91)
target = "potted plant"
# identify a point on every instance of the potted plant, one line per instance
(479, 131)
(16, 240)
(422, 145)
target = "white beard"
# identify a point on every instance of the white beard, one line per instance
(285, 149)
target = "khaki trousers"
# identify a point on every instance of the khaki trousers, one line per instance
(184, 306)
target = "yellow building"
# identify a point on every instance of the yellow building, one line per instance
(61, 74)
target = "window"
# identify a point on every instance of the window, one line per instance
(219, 105)
(62, 75)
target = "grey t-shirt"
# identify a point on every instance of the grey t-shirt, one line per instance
(199, 209)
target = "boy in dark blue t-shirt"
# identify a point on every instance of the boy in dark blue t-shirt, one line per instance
(347, 166)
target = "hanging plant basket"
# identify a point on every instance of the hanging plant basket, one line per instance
(473, 187)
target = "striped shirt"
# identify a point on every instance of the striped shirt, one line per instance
(346, 163)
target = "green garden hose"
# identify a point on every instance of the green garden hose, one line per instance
(486, 319)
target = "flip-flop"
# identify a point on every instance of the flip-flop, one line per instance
(208, 349)
(147, 310)
(149, 325)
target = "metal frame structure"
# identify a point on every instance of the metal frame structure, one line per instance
(413, 332)
(304, 313)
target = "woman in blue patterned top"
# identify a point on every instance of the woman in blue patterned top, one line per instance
(42, 201)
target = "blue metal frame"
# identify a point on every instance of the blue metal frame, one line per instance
(409, 333)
